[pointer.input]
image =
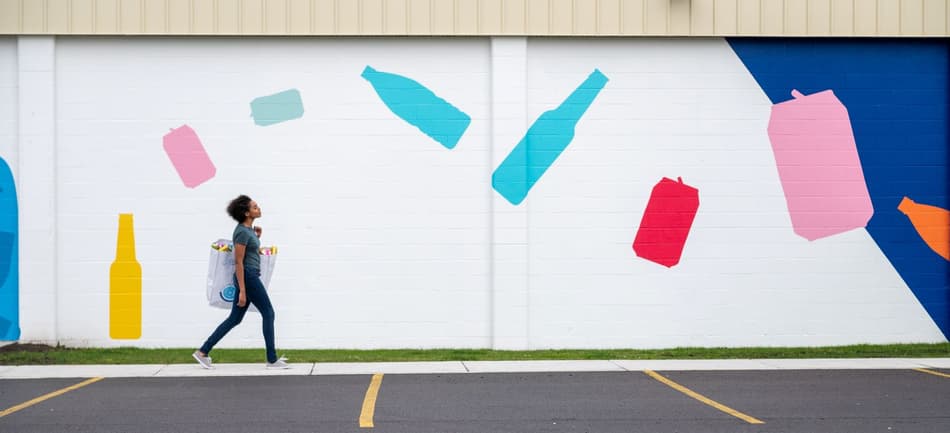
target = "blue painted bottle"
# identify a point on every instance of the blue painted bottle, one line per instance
(419, 106)
(545, 140)
(9, 257)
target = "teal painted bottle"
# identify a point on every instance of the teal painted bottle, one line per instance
(419, 106)
(9, 257)
(545, 140)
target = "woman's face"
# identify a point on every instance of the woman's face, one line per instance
(255, 211)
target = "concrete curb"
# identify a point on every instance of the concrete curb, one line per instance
(462, 367)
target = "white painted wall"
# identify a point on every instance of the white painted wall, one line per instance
(390, 240)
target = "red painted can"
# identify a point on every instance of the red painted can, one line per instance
(666, 222)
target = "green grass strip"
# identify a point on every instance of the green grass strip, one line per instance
(17, 354)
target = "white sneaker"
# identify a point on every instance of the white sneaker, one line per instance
(205, 361)
(280, 364)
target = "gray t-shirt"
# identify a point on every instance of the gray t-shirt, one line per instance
(252, 254)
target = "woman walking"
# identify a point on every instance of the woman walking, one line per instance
(247, 278)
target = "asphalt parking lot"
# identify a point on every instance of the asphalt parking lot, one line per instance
(675, 401)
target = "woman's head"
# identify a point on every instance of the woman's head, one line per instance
(242, 208)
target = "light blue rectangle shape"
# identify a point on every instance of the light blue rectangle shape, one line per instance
(277, 108)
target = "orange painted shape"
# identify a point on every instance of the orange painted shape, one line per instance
(125, 286)
(932, 224)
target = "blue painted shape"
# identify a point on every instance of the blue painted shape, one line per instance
(277, 108)
(545, 140)
(419, 106)
(896, 93)
(9, 257)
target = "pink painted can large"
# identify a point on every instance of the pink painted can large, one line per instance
(189, 157)
(819, 166)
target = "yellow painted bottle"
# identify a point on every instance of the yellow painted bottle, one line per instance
(125, 286)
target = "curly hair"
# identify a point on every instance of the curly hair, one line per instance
(239, 207)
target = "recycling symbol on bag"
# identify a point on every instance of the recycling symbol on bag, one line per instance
(227, 293)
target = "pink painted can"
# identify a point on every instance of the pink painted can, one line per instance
(188, 156)
(819, 166)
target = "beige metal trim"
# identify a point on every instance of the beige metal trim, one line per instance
(477, 17)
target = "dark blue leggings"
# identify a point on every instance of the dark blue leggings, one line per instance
(257, 295)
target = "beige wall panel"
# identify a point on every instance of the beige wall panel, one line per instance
(632, 15)
(585, 17)
(842, 17)
(107, 16)
(34, 16)
(324, 16)
(726, 17)
(562, 20)
(481, 17)
(228, 17)
(202, 17)
(395, 17)
(888, 17)
(912, 17)
(10, 16)
(772, 17)
(819, 17)
(154, 17)
(489, 17)
(657, 17)
(252, 17)
(608, 17)
(57, 16)
(179, 16)
(419, 17)
(466, 17)
(299, 22)
(347, 18)
(82, 17)
(515, 17)
(443, 17)
(750, 13)
(371, 16)
(796, 17)
(679, 17)
(275, 17)
(539, 17)
(935, 17)
(865, 17)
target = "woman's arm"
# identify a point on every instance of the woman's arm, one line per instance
(239, 250)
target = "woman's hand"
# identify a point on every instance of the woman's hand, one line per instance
(242, 299)
(258, 230)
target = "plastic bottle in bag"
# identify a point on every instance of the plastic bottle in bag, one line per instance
(818, 165)
(125, 285)
(666, 222)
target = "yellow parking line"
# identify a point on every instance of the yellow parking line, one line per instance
(369, 402)
(703, 399)
(45, 397)
(935, 373)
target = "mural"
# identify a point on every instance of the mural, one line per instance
(189, 157)
(547, 137)
(9, 262)
(277, 108)
(819, 166)
(419, 106)
(797, 145)
(898, 112)
(666, 222)
(125, 286)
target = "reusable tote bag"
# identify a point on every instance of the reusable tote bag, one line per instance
(221, 290)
